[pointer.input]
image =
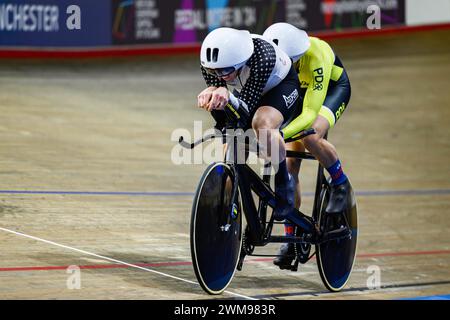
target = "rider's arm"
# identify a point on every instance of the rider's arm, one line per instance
(320, 68)
(212, 81)
(261, 65)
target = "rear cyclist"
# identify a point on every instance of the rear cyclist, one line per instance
(326, 90)
(250, 75)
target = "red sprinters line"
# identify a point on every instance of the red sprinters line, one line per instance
(97, 266)
(186, 263)
(398, 254)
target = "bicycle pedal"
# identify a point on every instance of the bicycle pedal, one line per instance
(286, 267)
(291, 267)
(295, 265)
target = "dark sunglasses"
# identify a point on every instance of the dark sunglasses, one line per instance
(221, 72)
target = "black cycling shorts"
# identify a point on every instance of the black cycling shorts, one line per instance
(285, 97)
(338, 96)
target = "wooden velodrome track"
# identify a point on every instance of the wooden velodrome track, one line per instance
(86, 177)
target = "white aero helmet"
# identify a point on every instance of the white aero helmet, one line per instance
(293, 41)
(225, 50)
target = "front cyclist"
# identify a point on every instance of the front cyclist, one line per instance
(326, 90)
(255, 76)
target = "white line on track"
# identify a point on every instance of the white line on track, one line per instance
(115, 260)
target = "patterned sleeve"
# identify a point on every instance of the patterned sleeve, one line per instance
(212, 81)
(261, 65)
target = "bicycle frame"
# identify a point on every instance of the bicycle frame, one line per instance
(248, 181)
(215, 219)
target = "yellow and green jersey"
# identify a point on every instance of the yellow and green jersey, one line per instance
(315, 70)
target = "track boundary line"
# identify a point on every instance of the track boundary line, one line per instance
(188, 263)
(114, 260)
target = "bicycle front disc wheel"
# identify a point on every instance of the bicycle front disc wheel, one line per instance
(216, 229)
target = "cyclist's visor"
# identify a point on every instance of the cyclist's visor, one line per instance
(221, 72)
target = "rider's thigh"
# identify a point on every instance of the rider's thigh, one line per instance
(337, 99)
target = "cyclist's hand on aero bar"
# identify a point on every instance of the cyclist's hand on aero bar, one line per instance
(205, 96)
(219, 99)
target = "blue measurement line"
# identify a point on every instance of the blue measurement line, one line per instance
(403, 192)
(367, 193)
(438, 297)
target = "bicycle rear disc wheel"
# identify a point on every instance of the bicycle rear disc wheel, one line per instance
(216, 229)
(335, 258)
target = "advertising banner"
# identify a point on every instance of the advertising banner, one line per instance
(90, 23)
(335, 15)
(55, 23)
(188, 21)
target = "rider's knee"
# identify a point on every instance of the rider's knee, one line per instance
(260, 122)
(312, 141)
(267, 118)
(262, 126)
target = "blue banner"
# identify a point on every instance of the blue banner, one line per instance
(55, 23)
(105, 23)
